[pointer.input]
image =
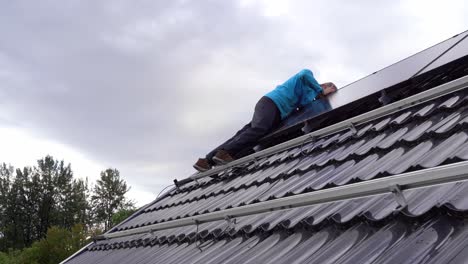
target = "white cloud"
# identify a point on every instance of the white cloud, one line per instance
(21, 148)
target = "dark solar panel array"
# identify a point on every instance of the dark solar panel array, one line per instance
(456, 52)
(404, 78)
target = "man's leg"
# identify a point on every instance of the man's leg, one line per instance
(265, 118)
(210, 155)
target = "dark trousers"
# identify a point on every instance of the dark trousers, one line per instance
(265, 118)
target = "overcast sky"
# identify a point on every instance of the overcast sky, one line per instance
(147, 87)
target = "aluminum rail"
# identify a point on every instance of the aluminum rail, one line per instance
(422, 97)
(76, 253)
(405, 181)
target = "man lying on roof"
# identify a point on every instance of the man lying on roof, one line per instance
(275, 106)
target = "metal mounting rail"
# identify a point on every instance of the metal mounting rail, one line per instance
(405, 181)
(422, 97)
(76, 253)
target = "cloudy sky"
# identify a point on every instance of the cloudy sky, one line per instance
(149, 86)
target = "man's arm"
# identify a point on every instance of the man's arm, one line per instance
(309, 80)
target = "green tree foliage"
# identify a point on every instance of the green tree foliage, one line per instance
(46, 213)
(6, 172)
(109, 197)
(58, 244)
(37, 198)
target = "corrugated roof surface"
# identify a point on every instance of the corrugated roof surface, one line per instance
(437, 239)
(374, 229)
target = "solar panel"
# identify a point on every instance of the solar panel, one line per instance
(393, 74)
(458, 51)
(396, 73)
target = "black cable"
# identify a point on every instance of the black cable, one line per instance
(163, 190)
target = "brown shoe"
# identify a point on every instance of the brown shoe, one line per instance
(202, 165)
(222, 157)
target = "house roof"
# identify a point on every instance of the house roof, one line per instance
(429, 226)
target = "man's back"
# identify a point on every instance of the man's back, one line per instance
(297, 91)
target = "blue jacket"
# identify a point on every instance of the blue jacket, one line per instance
(298, 91)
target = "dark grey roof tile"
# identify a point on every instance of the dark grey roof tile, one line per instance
(353, 208)
(417, 131)
(283, 246)
(327, 141)
(382, 124)
(457, 199)
(444, 119)
(349, 150)
(420, 201)
(364, 130)
(339, 175)
(309, 246)
(443, 150)
(462, 152)
(454, 250)
(278, 190)
(375, 245)
(381, 165)
(450, 123)
(298, 215)
(450, 102)
(381, 208)
(370, 144)
(419, 245)
(259, 192)
(401, 118)
(233, 249)
(260, 248)
(306, 147)
(392, 137)
(339, 246)
(426, 110)
(345, 136)
(306, 162)
(410, 158)
(322, 212)
(331, 154)
(335, 176)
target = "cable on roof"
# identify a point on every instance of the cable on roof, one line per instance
(165, 189)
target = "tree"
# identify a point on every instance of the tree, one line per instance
(37, 198)
(6, 173)
(109, 197)
(58, 244)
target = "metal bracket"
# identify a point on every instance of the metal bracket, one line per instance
(196, 181)
(384, 98)
(230, 220)
(197, 245)
(352, 128)
(399, 197)
(307, 140)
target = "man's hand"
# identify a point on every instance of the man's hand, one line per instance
(328, 88)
